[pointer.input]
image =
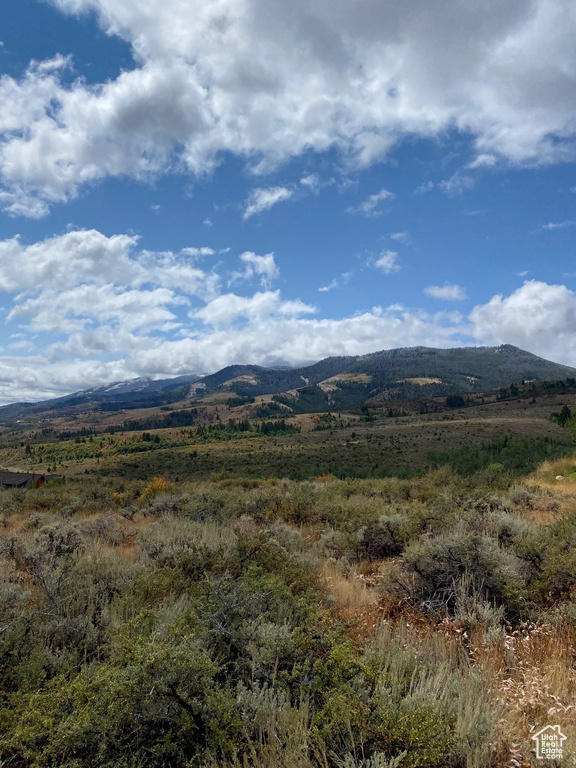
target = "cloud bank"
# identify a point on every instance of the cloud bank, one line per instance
(85, 309)
(269, 81)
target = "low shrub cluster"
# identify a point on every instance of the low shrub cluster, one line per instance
(517, 455)
(203, 626)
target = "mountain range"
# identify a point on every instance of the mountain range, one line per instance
(332, 382)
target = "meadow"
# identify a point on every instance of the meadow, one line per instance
(377, 588)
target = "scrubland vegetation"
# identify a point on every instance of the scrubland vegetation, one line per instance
(330, 623)
(384, 587)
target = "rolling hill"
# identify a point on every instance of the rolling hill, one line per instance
(333, 382)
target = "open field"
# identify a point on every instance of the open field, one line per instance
(361, 442)
(242, 623)
(258, 591)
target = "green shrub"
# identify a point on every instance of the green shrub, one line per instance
(430, 702)
(386, 538)
(554, 571)
(157, 702)
(440, 563)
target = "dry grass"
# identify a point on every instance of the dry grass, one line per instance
(528, 675)
(348, 592)
(127, 550)
(547, 473)
(354, 601)
(13, 525)
(557, 497)
(531, 672)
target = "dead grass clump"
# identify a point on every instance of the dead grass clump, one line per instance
(531, 672)
(354, 600)
(328, 478)
(415, 663)
(347, 592)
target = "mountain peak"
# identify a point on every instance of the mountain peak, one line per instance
(334, 381)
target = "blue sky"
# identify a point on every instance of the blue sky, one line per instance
(189, 185)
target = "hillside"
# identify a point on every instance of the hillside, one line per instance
(263, 438)
(465, 369)
(331, 383)
(134, 393)
(413, 373)
(244, 582)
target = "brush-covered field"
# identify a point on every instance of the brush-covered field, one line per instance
(394, 440)
(235, 586)
(271, 623)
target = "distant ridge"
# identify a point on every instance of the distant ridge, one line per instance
(335, 381)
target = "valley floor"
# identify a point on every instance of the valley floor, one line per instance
(299, 447)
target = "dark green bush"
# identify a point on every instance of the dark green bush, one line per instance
(441, 563)
(386, 538)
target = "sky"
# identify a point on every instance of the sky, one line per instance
(187, 184)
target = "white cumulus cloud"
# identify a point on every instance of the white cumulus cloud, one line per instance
(66, 311)
(269, 81)
(448, 292)
(264, 198)
(262, 266)
(387, 262)
(225, 309)
(538, 317)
